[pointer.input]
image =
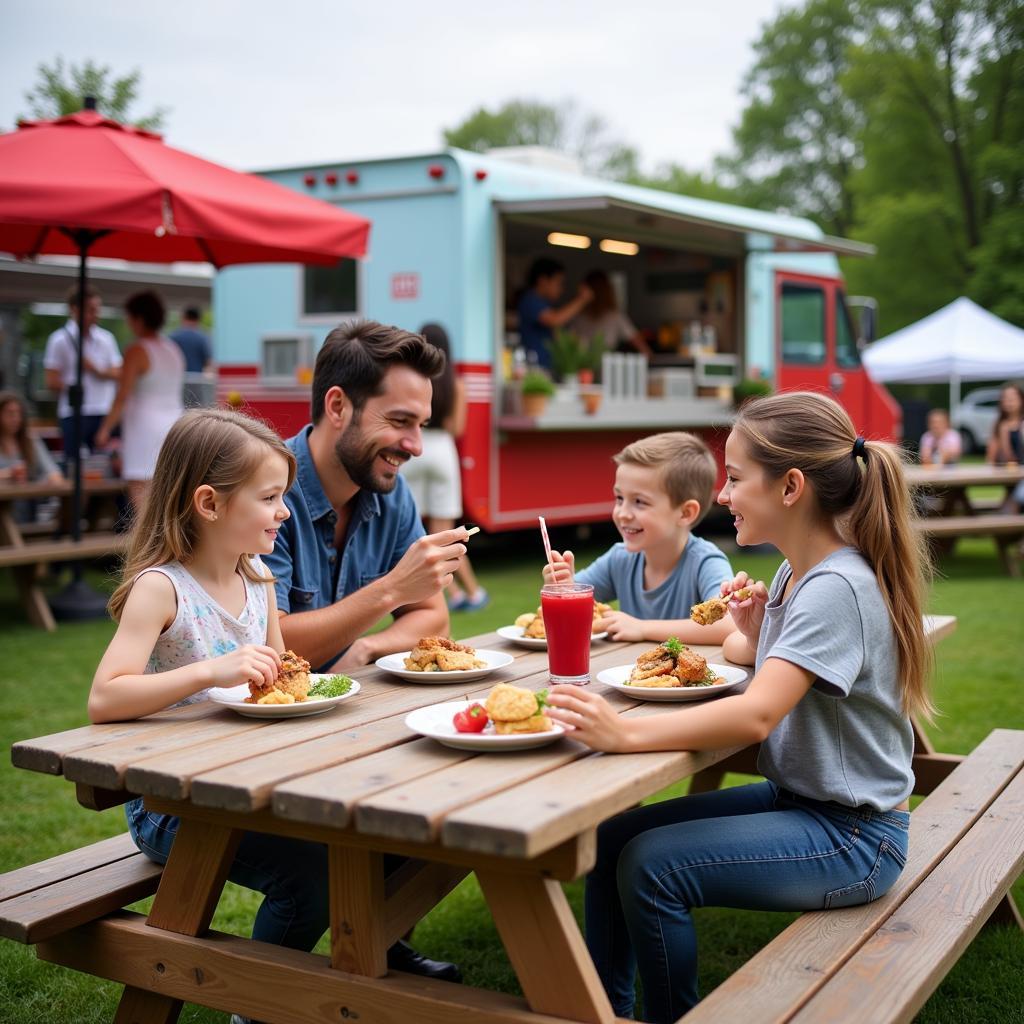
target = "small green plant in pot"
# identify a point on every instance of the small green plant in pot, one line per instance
(750, 388)
(537, 389)
(566, 354)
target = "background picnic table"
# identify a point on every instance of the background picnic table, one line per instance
(979, 687)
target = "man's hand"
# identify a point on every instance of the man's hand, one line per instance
(623, 627)
(428, 566)
(359, 654)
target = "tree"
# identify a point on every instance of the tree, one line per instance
(563, 127)
(60, 89)
(797, 143)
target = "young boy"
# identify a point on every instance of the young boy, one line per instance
(663, 487)
(940, 445)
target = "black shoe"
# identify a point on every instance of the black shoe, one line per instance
(402, 957)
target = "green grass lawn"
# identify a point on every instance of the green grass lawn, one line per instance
(979, 686)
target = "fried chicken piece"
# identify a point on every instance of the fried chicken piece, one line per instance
(515, 709)
(690, 666)
(439, 654)
(536, 630)
(600, 610)
(526, 618)
(707, 612)
(294, 676)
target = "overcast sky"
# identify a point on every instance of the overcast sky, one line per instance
(259, 84)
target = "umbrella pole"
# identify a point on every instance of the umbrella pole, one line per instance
(78, 600)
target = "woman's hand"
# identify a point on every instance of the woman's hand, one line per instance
(621, 626)
(561, 568)
(747, 615)
(102, 437)
(590, 717)
(253, 661)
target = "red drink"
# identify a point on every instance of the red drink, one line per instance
(568, 610)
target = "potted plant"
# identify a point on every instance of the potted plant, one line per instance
(750, 387)
(590, 358)
(537, 389)
(566, 352)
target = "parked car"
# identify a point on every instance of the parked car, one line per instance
(976, 417)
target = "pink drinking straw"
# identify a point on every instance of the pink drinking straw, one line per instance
(547, 542)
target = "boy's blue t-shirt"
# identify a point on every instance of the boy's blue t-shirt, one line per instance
(619, 573)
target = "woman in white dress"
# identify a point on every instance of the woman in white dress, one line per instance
(149, 394)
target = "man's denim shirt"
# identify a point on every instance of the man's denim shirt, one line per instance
(382, 528)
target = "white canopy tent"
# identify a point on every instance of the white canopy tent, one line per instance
(959, 342)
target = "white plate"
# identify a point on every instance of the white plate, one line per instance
(616, 678)
(396, 663)
(436, 722)
(515, 634)
(234, 697)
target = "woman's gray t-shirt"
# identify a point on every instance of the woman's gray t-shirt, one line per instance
(848, 739)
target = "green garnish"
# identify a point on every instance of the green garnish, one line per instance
(542, 701)
(673, 646)
(330, 686)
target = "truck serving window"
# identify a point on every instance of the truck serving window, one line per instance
(847, 353)
(803, 324)
(329, 290)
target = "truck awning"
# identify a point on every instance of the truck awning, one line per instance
(610, 217)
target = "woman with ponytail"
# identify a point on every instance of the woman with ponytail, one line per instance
(840, 663)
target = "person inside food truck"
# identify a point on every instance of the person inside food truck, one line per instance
(538, 316)
(603, 318)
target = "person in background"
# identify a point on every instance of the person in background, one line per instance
(940, 444)
(195, 347)
(537, 313)
(602, 317)
(1006, 445)
(101, 369)
(23, 458)
(149, 396)
(435, 478)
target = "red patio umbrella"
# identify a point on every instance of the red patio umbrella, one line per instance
(84, 184)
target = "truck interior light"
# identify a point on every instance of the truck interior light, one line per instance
(571, 241)
(621, 248)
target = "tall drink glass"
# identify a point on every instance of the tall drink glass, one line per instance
(568, 610)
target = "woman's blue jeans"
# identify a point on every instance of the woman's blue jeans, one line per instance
(756, 847)
(291, 874)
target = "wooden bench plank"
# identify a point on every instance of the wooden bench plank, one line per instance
(973, 526)
(66, 865)
(787, 972)
(293, 987)
(91, 545)
(44, 912)
(898, 968)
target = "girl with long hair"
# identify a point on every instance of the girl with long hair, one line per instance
(23, 458)
(601, 317)
(196, 609)
(840, 663)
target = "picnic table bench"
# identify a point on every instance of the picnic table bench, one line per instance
(359, 781)
(950, 513)
(27, 558)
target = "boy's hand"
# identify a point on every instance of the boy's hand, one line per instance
(747, 615)
(622, 627)
(564, 563)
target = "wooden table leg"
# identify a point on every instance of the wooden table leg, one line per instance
(358, 940)
(37, 608)
(190, 886)
(544, 944)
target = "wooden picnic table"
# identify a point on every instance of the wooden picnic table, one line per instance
(949, 514)
(358, 780)
(27, 556)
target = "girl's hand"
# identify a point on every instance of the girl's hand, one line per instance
(564, 567)
(623, 627)
(747, 615)
(590, 717)
(253, 661)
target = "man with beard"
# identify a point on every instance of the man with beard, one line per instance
(354, 550)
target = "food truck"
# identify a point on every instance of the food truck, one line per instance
(719, 294)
